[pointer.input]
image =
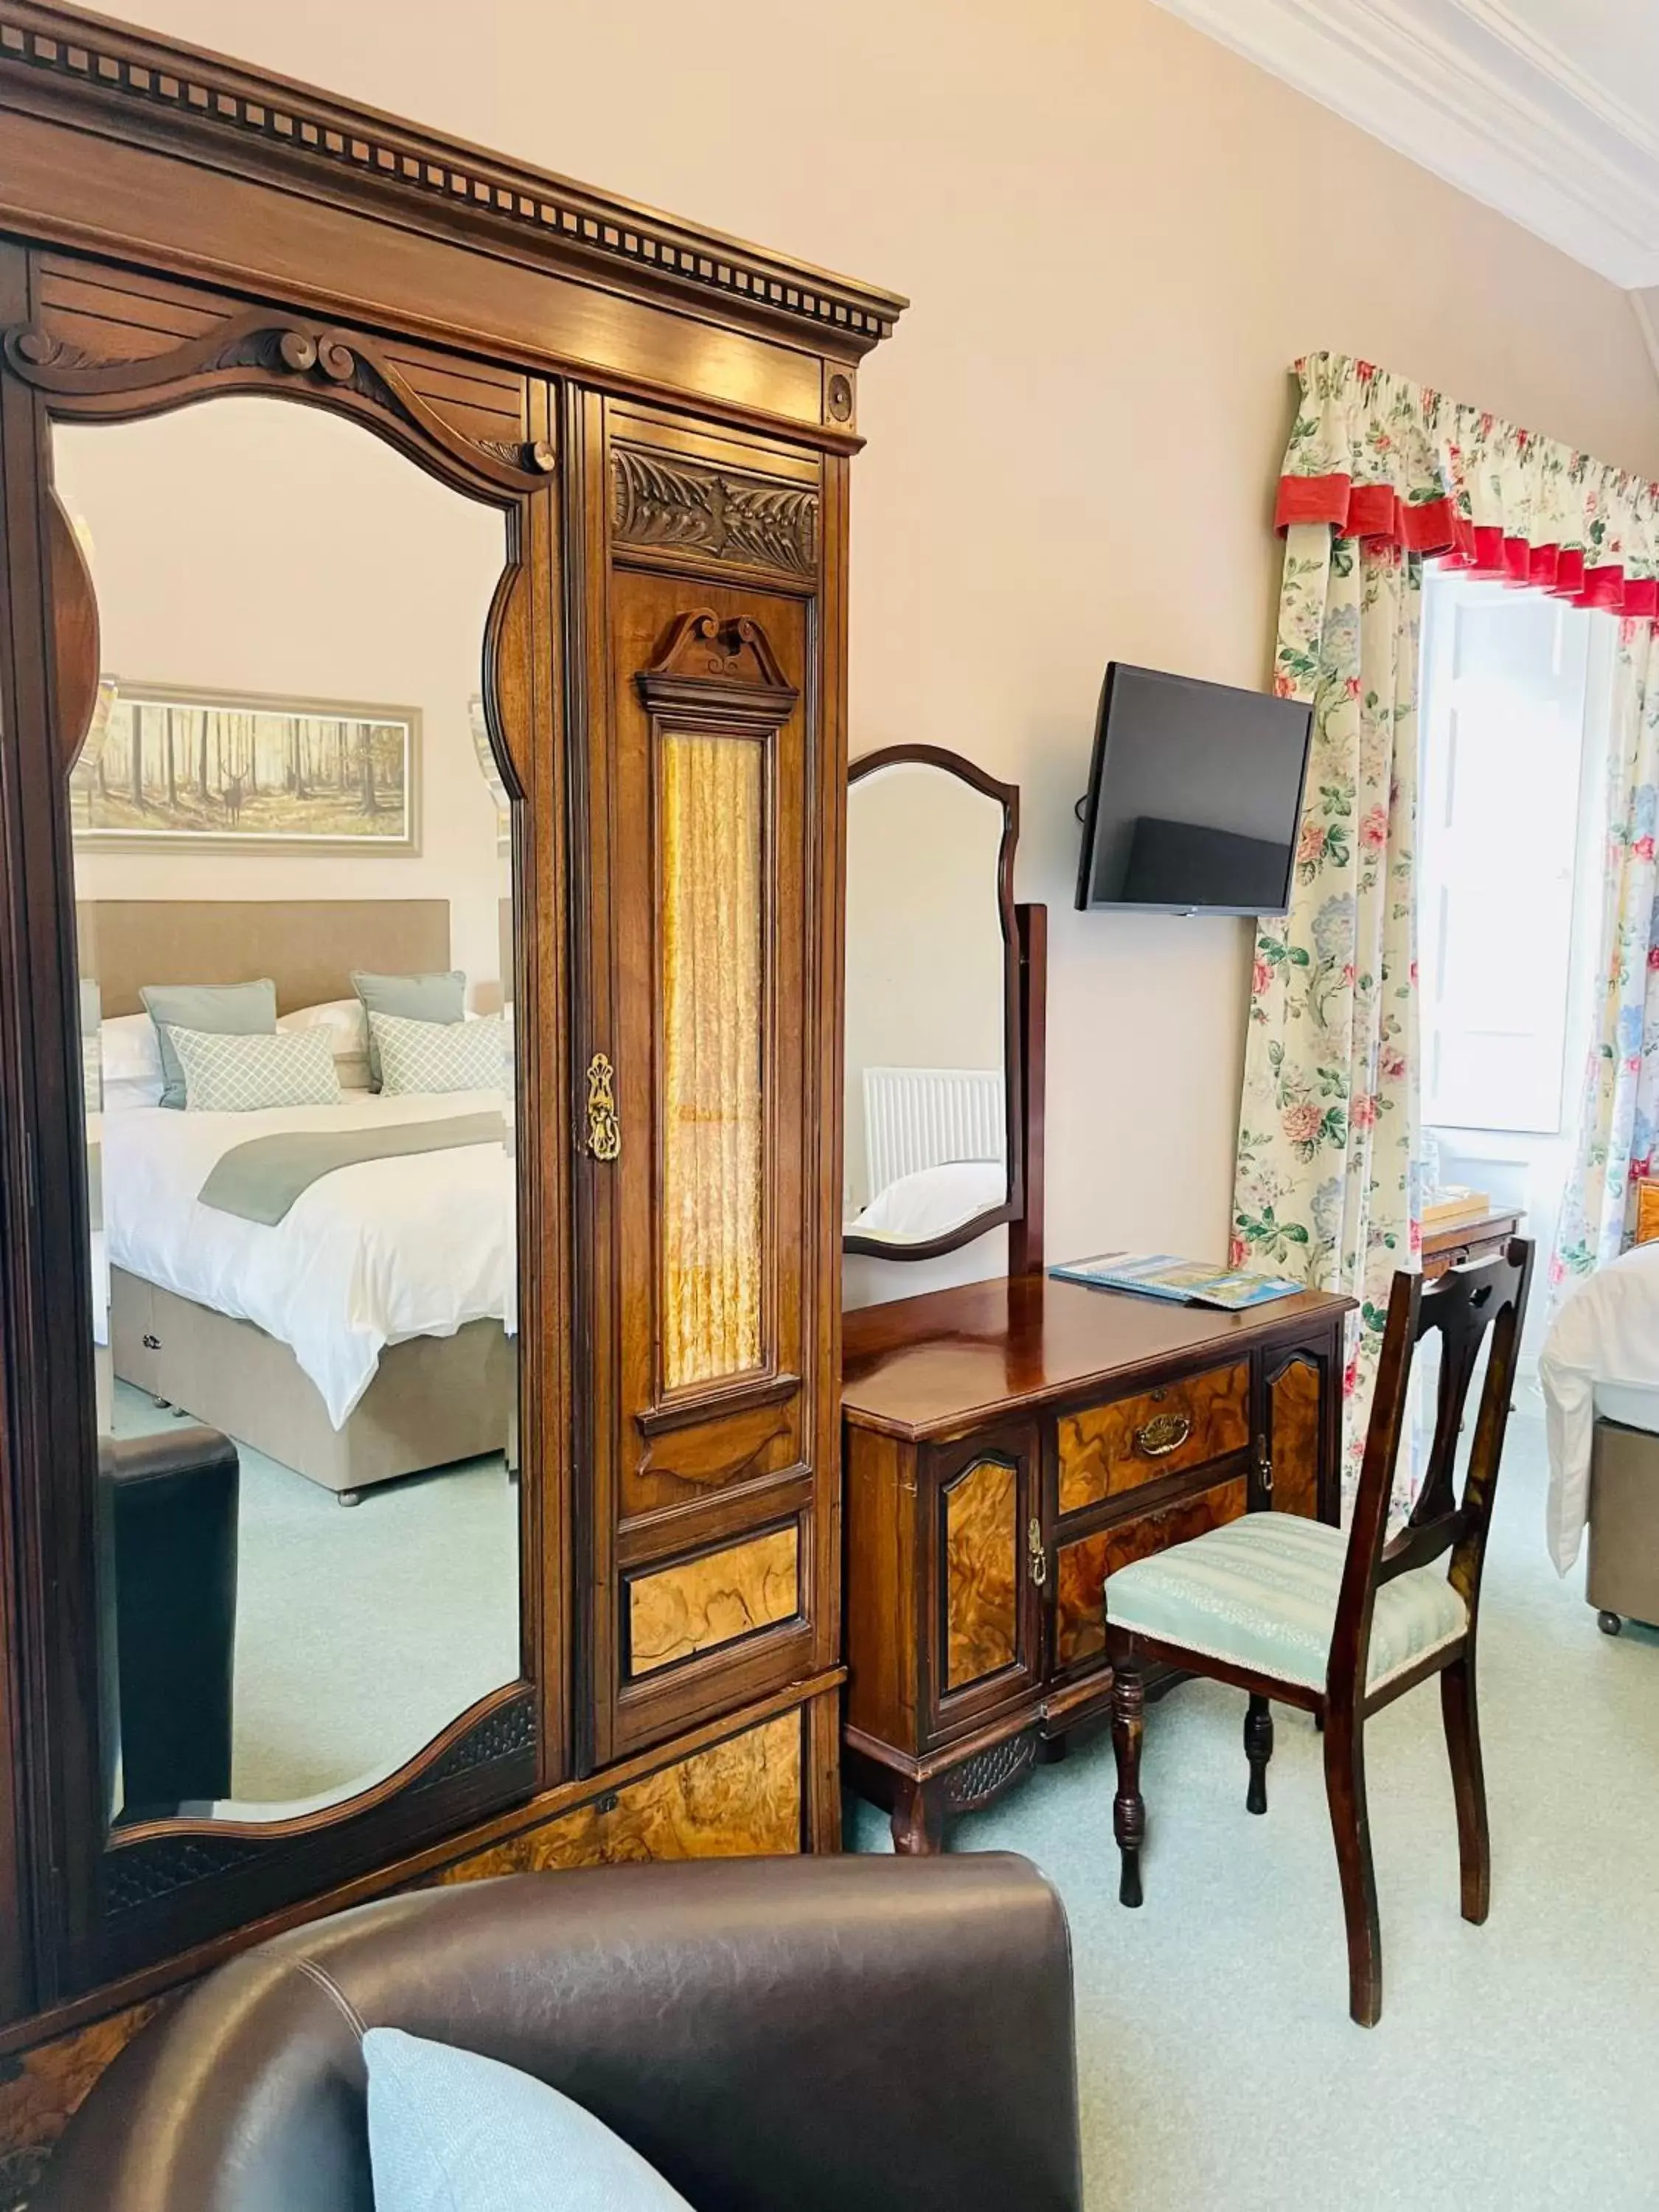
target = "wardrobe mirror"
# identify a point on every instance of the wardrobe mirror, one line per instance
(292, 877)
(931, 1099)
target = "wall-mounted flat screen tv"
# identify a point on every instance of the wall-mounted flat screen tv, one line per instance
(1194, 796)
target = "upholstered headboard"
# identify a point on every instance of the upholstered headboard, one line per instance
(308, 947)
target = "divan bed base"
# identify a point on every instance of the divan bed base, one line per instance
(1623, 1578)
(434, 1398)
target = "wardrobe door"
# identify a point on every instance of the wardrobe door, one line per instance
(702, 1087)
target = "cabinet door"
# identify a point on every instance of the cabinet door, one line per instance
(708, 1284)
(987, 1568)
(1300, 1428)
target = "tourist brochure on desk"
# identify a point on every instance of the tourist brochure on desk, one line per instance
(1188, 1282)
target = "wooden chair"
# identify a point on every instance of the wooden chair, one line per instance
(1289, 1609)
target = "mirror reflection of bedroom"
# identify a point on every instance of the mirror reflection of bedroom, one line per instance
(926, 1056)
(294, 900)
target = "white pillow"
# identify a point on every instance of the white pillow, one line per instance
(124, 1092)
(239, 1074)
(451, 2131)
(130, 1049)
(341, 1021)
(437, 1056)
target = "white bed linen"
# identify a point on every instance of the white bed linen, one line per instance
(1605, 1334)
(931, 1201)
(369, 1256)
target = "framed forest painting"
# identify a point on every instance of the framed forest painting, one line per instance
(168, 768)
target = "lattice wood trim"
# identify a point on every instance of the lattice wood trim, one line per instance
(105, 63)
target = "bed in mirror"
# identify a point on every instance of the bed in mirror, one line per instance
(295, 939)
(934, 1108)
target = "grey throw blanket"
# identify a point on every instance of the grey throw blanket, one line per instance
(260, 1180)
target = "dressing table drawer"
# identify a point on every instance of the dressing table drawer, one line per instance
(1106, 1451)
(1082, 1566)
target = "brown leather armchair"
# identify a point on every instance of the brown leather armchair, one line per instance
(774, 2035)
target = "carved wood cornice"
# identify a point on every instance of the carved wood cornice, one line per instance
(115, 77)
(258, 350)
(680, 505)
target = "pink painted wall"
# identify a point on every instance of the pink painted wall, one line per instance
(1117, 236)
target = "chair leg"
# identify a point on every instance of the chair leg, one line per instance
(1258, 1749)
(1129, 1807)
(1344, 1791)
(1458, 1711)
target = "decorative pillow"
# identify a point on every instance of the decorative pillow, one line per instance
(437, 1055)
(209, 1009)
(122, 1093)
(130, 1049)
(92, 1068)
(346, 1025)
(436, 997)
(450, 2131)
(232, 1074)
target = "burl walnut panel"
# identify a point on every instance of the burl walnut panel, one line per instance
(697, 1604)
(1083, 1566)
(1295, 1419)
(982, 1564)
(738, 1799)
(1111, 1448)
(52, 2082)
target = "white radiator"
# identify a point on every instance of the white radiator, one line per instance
(926, 1117)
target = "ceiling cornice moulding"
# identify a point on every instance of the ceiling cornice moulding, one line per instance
(1467, 90)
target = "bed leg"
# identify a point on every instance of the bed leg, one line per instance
(348, 1496)
(1610, 1624)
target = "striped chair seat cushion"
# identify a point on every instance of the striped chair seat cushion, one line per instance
(1262, 1592)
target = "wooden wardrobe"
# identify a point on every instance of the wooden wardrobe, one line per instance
(664, 419)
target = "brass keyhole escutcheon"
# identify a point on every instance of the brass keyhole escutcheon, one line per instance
(604, 1130)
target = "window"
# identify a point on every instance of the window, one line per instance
(1510, 810)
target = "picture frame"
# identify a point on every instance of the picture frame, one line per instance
(223, 771)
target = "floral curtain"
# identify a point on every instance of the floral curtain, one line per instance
(1328, 1127)
(1380, 472)
(1615, 1129)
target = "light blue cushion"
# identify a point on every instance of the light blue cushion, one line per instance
(449, 2132)
(438, 997)
(438, 1056)
(1262, 1593)
(214, 1009)
(240, 1074)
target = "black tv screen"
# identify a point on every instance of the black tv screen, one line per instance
(1194, 796)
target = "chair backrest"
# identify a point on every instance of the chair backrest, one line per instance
(1462, 1305)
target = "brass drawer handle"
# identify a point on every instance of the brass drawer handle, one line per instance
(1163, 1434)
(1036, 1558)
(604, 1133)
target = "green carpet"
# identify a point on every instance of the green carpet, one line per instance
(1517, 2065)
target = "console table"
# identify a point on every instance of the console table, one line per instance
(1008, 1444)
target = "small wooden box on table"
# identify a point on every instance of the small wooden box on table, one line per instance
(1008, 1445)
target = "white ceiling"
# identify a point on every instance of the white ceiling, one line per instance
(1546, 109)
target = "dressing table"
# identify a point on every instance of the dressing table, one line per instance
(1009, 1443)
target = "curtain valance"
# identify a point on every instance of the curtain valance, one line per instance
(1375, 456)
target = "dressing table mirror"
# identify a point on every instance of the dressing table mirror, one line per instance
(935, 1108)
